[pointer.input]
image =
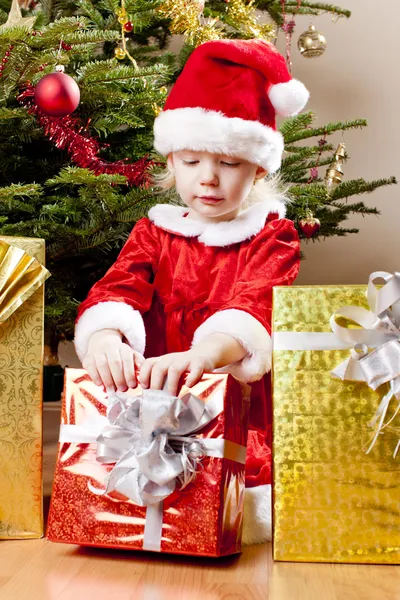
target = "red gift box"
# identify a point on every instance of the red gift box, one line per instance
(204, 518)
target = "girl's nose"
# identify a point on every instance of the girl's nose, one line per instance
(208, 176)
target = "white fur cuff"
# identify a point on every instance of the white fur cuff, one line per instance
(110, 315)
(257, 517)
(250, 333)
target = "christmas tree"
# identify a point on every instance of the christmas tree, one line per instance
(81, 181)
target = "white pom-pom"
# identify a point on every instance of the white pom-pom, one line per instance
(289, 98)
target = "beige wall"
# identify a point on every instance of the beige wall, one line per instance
(358, 77)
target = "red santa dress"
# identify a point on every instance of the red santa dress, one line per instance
(177, 281)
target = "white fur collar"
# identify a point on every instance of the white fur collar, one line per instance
(247, 224)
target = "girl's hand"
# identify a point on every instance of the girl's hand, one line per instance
(154, 370)
(111, 362)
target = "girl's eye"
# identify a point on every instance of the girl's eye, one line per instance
(194, 162)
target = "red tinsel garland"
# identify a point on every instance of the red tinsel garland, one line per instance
(83, 149)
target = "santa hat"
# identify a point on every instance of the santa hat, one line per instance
(226, 100)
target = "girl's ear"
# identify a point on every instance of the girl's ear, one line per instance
(260, 173)
(170, 162)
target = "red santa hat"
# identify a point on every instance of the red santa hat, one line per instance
(226, 100)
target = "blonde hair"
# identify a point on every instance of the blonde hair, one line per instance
(267, 188)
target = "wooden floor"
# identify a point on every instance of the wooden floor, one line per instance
(41, 570)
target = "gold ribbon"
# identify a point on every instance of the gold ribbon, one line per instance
(20, 276)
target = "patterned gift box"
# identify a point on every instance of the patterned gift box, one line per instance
(204, 518)
(21, 360)
(332, 500)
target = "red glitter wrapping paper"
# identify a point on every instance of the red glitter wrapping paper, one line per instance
(203, 519)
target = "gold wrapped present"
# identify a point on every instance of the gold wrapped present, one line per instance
(336, 494)
(21, 358)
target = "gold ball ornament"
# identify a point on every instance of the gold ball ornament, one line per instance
(123, 19)
(120, 12)
(119, 53)
(311, 43)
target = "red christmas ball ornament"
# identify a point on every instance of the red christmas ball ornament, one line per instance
(310, 225)
(128, 26)
(57, 94)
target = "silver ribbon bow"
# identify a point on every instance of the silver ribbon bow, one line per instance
(147, 439)
(375, 357)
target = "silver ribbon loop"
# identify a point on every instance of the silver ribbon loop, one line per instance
(148, 439)
(380, 302)
(375, 357)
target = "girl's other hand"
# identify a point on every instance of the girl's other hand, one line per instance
(111, 362)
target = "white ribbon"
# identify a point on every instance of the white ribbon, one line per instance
(375, 347)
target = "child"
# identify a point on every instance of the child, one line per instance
(191, 290)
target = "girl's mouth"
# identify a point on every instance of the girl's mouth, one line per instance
(210, 199)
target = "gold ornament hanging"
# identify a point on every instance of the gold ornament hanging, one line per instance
(122, 51)
(334, 174)
(119, 53)
(156, 109)
(311, 43)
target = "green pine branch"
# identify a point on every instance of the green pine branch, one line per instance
(360, 186)
(89, 10)
(17, 190)
(358, 207)
(304, 167)
(274, 8)
(291, 6)
(299, 154)
(292, 130)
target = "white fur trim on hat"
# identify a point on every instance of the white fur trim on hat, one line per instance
(257, 517)
(210, 131)
(289, 98)
(247, 330)
(222, 233)
(110, 315)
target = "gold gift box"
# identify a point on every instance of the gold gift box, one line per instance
(332, 502)
(21, 360)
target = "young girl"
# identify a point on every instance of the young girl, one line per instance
(191, 290)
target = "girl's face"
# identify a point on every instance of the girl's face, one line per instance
(213, 186)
